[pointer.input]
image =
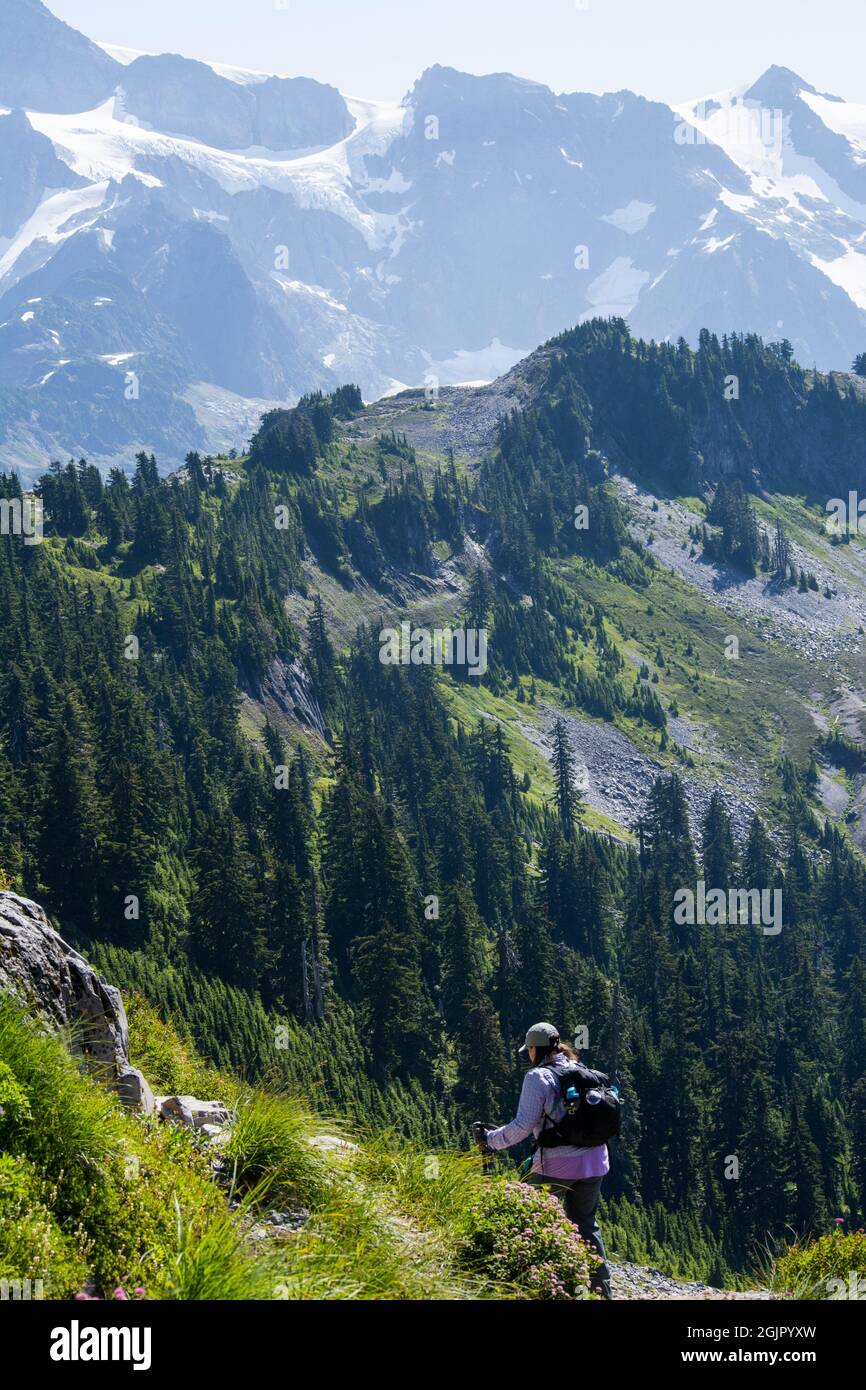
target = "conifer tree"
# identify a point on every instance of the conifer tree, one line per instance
(566, 797)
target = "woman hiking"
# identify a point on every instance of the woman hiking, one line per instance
(573, 1174)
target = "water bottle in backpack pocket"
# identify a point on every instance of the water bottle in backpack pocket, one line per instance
(592, 1109)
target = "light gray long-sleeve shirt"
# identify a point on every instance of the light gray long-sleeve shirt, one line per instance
(539, 1097)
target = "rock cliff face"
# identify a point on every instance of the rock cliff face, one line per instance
(45, 65)
(288, 687)
(187, 98)
(28, 165)
(57, 984)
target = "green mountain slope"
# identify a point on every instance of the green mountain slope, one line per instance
(219, 788)
(96, 1203)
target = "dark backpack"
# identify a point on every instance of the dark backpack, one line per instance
(592, 1108)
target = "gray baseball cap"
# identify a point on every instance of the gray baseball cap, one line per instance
(540, 1035)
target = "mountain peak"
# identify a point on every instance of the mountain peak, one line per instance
(16, 120)
(779, 86)
(47, 66)
(439, 78)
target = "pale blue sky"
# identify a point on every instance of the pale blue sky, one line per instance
(667, 49)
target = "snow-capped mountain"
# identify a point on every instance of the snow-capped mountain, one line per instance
(183, 243)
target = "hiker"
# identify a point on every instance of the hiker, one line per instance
(573, 1173)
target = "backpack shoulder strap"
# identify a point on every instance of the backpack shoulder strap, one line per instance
(559, 1071)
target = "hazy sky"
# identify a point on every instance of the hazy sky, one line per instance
(668, 49)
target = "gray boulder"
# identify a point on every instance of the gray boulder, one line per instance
(58, 986)
(208, 1115)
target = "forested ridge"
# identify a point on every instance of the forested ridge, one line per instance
(394, 894)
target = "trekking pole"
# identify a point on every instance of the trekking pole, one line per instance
(479, 1131)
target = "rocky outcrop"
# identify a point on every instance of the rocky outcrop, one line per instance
(288, 688)
(332, 1144)
(187, 98)
(28, 165)
(57, 984)
(206, 1115)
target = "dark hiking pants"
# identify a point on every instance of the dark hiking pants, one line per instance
(580, 1200)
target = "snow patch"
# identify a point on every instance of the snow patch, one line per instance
(848, 271)
(393, 388)
(58, 216)
(101, 145)
(202, 215)
(123, 55)
(242, 77)
(737, 202)
(317, 291)
(845, 118)
(713, 244)
(632, 218)
(480, 365)
(615, 292)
